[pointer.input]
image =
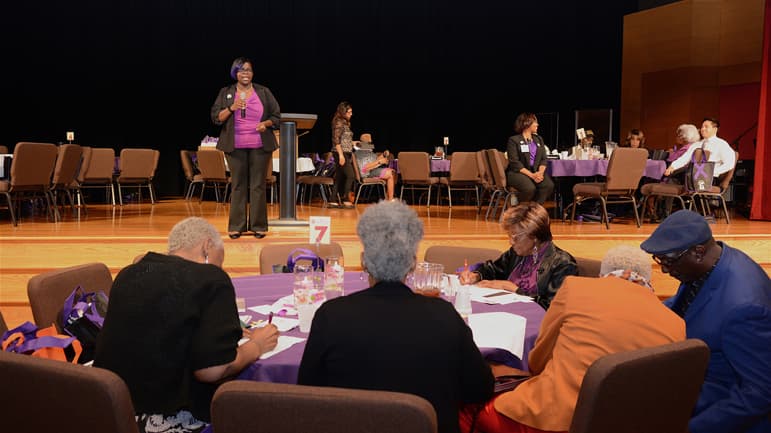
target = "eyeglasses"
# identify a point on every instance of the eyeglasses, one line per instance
(516, 237)
(245, 71)
(669, 261)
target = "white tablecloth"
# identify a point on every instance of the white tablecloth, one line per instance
(4, 157)
(302, 165)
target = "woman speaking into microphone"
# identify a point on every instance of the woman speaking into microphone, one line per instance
(248, 113)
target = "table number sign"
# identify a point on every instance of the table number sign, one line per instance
(320, 229)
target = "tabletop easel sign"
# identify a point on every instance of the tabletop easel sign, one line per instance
(320, 229)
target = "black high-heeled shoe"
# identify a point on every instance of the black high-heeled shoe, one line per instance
(235, 235)
(259, 235)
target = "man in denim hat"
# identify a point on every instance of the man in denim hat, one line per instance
(725, 299)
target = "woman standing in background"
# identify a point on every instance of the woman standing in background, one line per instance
(342, 149)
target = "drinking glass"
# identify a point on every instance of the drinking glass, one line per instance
(463, 302)
(308, 294)
(334, 276)
(428, 279)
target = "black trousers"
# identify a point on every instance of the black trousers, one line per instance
(528, 189)
(248, 169)
(344, 177)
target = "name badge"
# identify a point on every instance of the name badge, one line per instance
(525, 148)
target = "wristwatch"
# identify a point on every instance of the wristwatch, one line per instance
(228, 107)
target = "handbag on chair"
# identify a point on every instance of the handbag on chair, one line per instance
(82, 317)
(699, 174)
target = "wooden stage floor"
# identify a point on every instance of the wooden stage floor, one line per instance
(115, 235)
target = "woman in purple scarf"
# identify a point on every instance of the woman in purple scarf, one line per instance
(533, 266)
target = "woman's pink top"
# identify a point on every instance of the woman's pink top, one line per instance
(247, 136)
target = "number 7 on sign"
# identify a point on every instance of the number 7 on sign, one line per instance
(320, 231)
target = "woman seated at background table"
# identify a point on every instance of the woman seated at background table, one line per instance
(527, 161)
(379, 168)
(533, 266)
(171, 331)
(589, 318)
(387, 337)
(636, 140)
(685, 136)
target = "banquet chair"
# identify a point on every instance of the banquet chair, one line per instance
(33, 165)
(640, 391)
(137, 168)
(716, 192)
(243, 406)
(454, 257)
(211, 163)
(277, 254)
(48, 290)
(503, 193)
(486, 184)
(270, 182)
(365, 142)
(322, 177)
(658, 190)
(3, 325)
(588, 267)
(43, 395)
(668, 190)
(191, 177)
(99, 171)
(363, 182)
(65, 171)
(464, 176)
(415, 174)
(625, 169)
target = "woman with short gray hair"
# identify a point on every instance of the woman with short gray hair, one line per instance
(171, 331)
(387, 337)
(390, 249)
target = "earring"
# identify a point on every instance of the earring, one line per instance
(535, 253)
(363, 274)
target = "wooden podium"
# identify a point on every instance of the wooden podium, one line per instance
(290, 123)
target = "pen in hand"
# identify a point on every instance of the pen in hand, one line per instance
(270, 318)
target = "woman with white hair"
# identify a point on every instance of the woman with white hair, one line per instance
(628, 262)
(171, 330)
(685, 136)
(387, 337)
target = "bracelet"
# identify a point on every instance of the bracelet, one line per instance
(228, 107)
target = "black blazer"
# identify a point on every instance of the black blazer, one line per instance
(388, 338)
(519, 159)
(272, 111)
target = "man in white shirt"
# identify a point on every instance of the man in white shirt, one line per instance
(719, 151)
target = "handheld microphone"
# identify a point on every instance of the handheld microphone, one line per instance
(243, 110)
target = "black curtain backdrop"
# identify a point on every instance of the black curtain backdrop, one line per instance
(144, 74)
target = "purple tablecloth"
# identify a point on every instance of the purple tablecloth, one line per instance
(442, 165)
(437, 165)
(283, 367)
(654, 169)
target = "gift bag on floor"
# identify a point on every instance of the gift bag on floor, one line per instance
(47, 343)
